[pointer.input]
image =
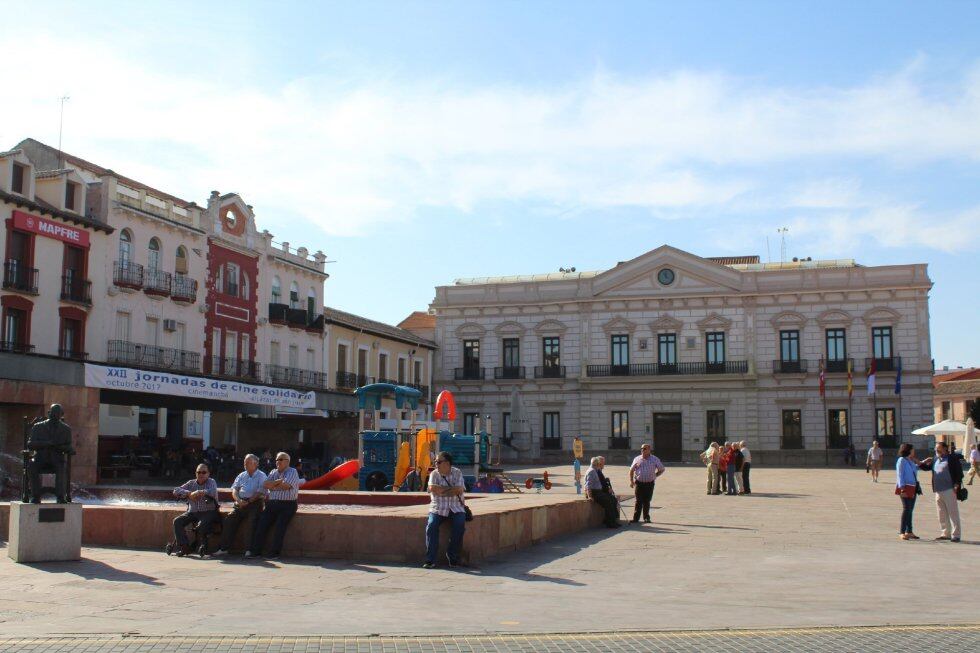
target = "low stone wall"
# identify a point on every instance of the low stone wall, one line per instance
(502, 523)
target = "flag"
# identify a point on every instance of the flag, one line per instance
(823, 381)
(871, 377)
(898, 378)
(850, 380)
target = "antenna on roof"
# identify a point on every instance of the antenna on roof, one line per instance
(61, 126)
(782, 244)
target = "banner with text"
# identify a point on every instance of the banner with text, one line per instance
(125, 378)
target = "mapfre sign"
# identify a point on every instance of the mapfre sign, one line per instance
(50, 228)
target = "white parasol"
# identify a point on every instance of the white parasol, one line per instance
(948, 429)
(970, 437)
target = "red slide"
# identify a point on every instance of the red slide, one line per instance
(338, 473)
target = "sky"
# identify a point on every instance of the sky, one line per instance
(420, 142)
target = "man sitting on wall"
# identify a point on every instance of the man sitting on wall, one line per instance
(201, 494)
(249, 492)
(599, 489)
(283, 486)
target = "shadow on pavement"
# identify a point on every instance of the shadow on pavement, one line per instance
(94, 569)
(776, 495)
(726, 528)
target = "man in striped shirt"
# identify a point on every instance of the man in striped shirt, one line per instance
(201, 494)
(643, 475)
(283, 487)
(446, 486)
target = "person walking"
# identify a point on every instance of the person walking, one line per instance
(947, 479)
(644, 471)
(746, 467)
(711, 457)
(906, 487)
(974, 463)
(875, 456)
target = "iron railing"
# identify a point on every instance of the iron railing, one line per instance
(508, 372)
(351, 381)
(236, 368)
(16, 347)
(127, 274)
(469, 374)
(789, 367)
(550, 372)
(17, 276)
(838, 366)
(75, 289)
(889, 364)
(184, 289)
(124, 352)
(71, 354)
(293, 376)
(157, 282)
(655, 369)
(277, 313)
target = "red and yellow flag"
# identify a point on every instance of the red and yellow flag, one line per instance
(850, 380)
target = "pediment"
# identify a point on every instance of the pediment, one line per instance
(666, 324)
(550, 326)
(692, 274)
(510, 328)
(619, 325)
(881, 315)
(232, 216)
(470, 330)
(714, 322)
(834, 318)
(788, 320)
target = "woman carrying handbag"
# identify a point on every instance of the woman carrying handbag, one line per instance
(906, 487)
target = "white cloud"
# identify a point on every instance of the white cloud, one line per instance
(350, 156)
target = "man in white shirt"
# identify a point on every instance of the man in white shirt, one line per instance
(974, 463)
(875, 456)
(746, 466)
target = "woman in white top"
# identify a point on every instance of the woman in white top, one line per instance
(875, 456)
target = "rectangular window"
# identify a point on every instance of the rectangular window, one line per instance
(505, 426)
(551, 431)
(418, 372)
(294, 297)
(881, 342)
(231, 280)
(838, 427)
(231, 345)
(512, 353)
(619, 346)
(620, 430)
(311, 360)
(382, 367)
(401, 371)
(789, 346)
(885, 427)
(471, 358)
(715, 350)
(246, 347)
(71, 338)
(551, 352)
(274, 353)
(152, 331)
(792, 429)
(341, 358)
(362, 366)
(836, 350)
(667, 351)
(122, 326)
(469, 423)
(17, 179)
(70, 192)
(293, 356)
(14, 327)
(715, 423)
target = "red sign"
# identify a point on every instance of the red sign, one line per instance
(51, 229)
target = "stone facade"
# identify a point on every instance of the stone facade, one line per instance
(666, 393)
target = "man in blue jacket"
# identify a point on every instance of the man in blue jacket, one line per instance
(947, 479)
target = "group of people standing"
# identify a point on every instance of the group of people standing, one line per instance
(947, 484)
(728, 466)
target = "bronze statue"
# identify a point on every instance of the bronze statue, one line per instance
(47, 450)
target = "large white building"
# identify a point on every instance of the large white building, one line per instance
(680, 350)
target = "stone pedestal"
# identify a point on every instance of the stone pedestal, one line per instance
(45, 532)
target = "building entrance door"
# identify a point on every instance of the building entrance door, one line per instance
(667, 436)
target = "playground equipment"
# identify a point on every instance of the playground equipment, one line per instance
(334, 476)
(538, 483)
(377, 450)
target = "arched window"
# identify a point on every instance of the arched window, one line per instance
(245, 288)
(293, 295)
(125, 247)
(276, 290)
(153, 262)
(180, 263)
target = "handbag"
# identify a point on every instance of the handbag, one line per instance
(962, 494)
(906, 491)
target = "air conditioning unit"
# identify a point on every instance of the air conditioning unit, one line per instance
(170, 325)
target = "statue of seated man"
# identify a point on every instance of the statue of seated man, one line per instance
(49, 446)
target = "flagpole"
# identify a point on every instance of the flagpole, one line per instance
(898, 391)
(850, 402)
(826, 432)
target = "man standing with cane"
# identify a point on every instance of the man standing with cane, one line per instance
(643, 475)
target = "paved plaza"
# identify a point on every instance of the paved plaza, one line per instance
(808, 549)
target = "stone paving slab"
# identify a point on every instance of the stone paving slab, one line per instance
(922, 639)
(809, 548)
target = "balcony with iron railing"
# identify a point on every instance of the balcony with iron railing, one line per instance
(295, 377)
(837, 366)
(469, 373)
(789, 367)
(157, 282)
(75, 289)
(667, 369)
(424, 389)
(236, 368)
(549, 372)
(71, 354)
(16, 347)
(887, 364)
(19, 277)
(505, 373)
(126, 274)
(184, 289)
(351, 381)
(134, 354)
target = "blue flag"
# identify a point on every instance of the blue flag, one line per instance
(898, 378)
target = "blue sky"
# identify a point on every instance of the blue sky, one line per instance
(420, 142)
